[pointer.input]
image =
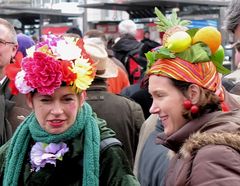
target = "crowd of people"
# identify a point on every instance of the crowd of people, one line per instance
(75, 111)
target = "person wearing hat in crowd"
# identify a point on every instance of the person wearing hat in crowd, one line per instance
(13, 108)
(120, 81)
(188, 98)
(62, 142)
(123, 116)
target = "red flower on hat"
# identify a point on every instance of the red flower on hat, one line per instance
(43, 73)
(11, 71)
(68, 75)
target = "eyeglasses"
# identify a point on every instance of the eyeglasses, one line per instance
(4, 43)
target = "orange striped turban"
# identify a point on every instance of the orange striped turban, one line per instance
(203, 74)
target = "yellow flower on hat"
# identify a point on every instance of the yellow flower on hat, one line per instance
(85, 74)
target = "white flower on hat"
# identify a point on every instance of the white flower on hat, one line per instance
(72, 53)
(21, 84)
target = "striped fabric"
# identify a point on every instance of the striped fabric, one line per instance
(202, 74)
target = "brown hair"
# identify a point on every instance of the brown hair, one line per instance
(208, 102)
(10, 27)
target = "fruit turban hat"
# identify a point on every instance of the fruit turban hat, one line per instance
(187, 55)
(202, 74)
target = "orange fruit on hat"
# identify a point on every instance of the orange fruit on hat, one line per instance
(210, 36)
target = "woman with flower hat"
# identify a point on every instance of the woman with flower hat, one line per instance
(183, 79)
(59, 142)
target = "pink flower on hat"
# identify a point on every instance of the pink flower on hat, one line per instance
(43, 73)
(49, 64)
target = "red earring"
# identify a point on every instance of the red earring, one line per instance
(194, 109)
(187, 104)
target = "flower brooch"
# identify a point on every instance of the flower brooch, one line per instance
(42, 153)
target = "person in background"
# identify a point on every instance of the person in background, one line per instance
(146, 36)
(123, 116)
(127, 41)
(120, 81)
(151, 160)
(136, 92)
(75, 30)
(24, 42)
(62, 142)
(94, 33)
(127, 48)
(146, 39)
(12, 108)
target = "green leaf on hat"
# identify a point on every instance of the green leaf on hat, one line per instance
(221, 68)
(161, 53)
(150, 58)
(198, 52)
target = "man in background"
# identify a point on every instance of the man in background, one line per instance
(123, 116)
(13, 109)
(127, 48)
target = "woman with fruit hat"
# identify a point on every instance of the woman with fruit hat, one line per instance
(61, 142)
(183, 79)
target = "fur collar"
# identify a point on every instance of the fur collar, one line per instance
(199, 140)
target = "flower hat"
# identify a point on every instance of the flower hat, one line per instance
(51, 63)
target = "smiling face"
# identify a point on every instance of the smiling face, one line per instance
(167, 103)
(56, 113)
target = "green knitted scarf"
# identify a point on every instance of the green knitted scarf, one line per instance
(85, 122)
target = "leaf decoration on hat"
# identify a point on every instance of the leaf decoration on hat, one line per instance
(196, 53)
(221, 68)
(160, 53)
(163, 24)
(175, 42)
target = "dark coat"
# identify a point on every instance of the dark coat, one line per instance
(140, 96)
(123, 116)
(126, 44)
(114, 167)
(153, 161)
(13, 109)
(207, 151)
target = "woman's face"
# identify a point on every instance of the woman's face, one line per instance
(57, 112)
(167, 103)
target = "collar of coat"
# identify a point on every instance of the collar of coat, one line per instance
(203, 131)
(199, 140)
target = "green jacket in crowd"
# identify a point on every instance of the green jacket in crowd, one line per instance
(114, 167)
